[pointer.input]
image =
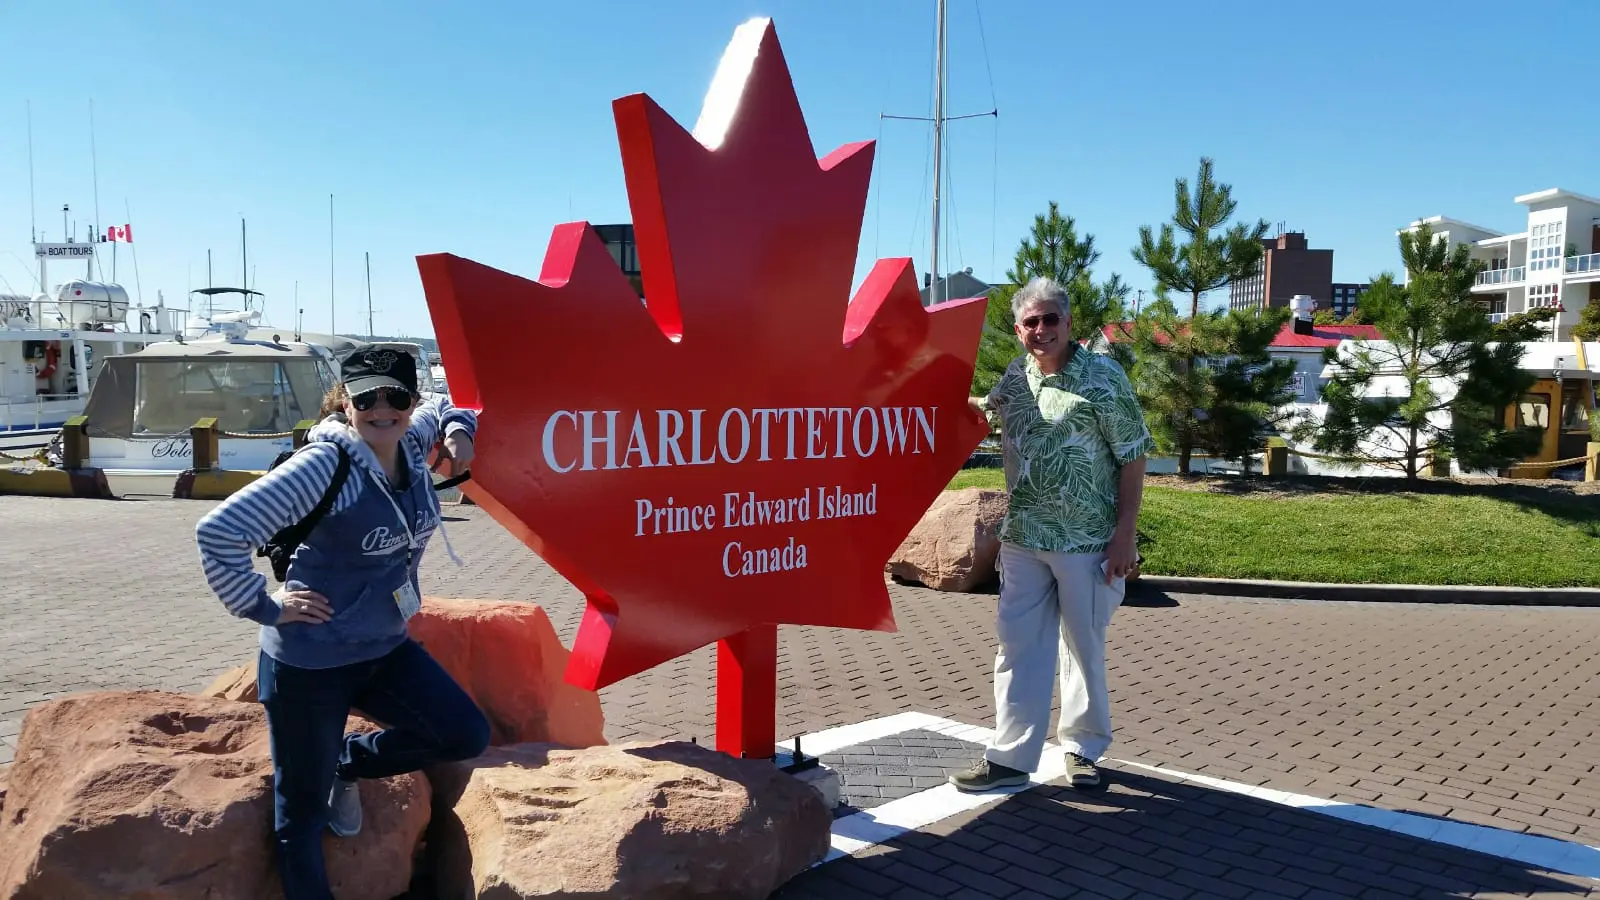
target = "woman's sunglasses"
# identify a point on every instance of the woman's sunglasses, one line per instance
(399, 401)
(1050, 320)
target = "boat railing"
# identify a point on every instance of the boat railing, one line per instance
(32, 409)
(44, 315)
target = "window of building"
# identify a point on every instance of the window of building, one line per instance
(1543, 295)
(1545, 247)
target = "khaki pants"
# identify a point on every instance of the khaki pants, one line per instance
(1051, 604)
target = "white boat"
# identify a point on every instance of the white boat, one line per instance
(246, 324)
(52, 348)
(144, 403)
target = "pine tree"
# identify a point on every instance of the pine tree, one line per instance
(1203, 381)
(1435, 335)
(1532, 325)
(1252, 391)
(1588, 327)
(1052, 250)
(1206, 262)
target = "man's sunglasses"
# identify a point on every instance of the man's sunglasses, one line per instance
(1050, 320)
(399, 401)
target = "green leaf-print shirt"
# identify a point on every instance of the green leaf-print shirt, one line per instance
(1067, 436)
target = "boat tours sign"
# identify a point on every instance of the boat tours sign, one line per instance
(747, 446)
(63, 251)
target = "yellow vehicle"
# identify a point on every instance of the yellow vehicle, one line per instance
(1561, 403)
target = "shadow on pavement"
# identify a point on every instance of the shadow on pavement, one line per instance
(1143, 595)
(1144, 836)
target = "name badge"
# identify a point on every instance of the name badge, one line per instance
(406, 598)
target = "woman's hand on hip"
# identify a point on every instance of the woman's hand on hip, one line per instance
(302, 606)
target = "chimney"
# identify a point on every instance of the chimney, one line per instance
(1302, 306)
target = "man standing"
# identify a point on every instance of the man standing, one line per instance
(1075, 445)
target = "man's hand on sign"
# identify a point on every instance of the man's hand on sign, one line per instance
(302, 606)
(1121, 555)
(457, 449)
(976, 405)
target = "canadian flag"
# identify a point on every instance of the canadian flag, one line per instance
(120, 233)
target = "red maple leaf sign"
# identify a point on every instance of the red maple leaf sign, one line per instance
(747, 446)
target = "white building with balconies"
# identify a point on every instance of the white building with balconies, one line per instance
(1555, 262)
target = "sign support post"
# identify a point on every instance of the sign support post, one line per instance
(747, 693)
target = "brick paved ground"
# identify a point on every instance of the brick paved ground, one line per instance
(1147, 836)
(874, 772)
(1485, 715)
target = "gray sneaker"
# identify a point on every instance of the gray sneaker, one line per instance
(987, 776)
(1081, 773)
(344, 808)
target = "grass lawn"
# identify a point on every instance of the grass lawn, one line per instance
(1365, 536)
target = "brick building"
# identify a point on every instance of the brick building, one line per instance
(1288, 267)
(1346, 297)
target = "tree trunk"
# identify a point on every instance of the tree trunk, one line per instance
(1412, 455)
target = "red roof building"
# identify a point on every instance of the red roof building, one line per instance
(1324, 335)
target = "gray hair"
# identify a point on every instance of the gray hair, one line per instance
(1043, 292)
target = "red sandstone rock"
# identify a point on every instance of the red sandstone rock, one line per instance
(509, 658)
(666, 821)
(238, 683)
(955, 545)
(165, 796)
(506, 655)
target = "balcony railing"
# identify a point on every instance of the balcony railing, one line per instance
(1504, 276)
(1497, 317)
(1584, 265)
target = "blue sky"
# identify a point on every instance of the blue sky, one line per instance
(474, 130)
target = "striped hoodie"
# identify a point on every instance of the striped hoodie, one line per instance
(357, 556)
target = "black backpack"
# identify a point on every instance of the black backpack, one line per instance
(282, 545)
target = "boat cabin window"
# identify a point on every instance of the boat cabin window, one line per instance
(144, 397)
(1574, 406)
(1533, 411)
(242, 395)
(326, 378)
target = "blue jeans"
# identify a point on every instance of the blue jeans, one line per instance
(430, 720)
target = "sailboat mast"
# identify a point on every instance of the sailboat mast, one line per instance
(938, 144)
(33, 204)
(94, 233)
(244, 262)
(370, 332)
(333, 325)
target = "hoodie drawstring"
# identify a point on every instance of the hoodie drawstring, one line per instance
(449, 550)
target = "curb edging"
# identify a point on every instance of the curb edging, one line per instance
(1371, 593)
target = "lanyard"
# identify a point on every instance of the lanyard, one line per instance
(411, 538)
